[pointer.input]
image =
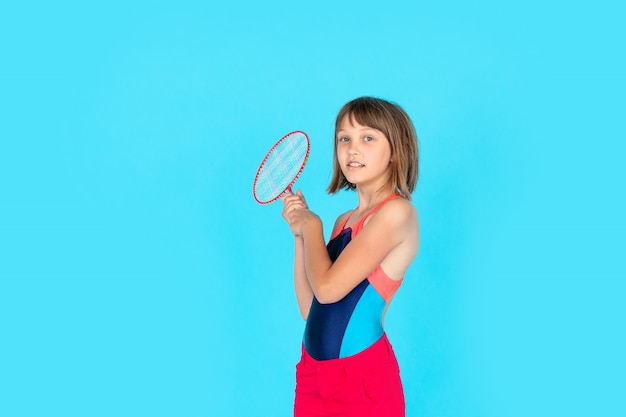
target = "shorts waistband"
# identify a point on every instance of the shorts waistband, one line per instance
(372, 355)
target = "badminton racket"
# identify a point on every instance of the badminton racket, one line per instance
(281, 167)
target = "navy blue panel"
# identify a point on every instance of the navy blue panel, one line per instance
(327, 323)
(337, 245)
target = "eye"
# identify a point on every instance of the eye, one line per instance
(343, 139)
(368, 139)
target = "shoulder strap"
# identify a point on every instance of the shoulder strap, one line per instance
(356, 228)
(342, 225)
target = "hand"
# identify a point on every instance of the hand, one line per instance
(293, 202)
(296, 212)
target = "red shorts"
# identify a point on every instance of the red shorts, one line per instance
(365, 385)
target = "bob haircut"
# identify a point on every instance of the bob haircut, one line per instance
(395, 124)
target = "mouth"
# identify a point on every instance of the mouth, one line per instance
(355, 164)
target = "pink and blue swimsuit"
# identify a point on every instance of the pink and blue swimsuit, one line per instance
(354, 323)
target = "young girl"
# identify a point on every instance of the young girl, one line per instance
(348, 367)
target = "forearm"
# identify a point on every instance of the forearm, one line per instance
(304, 293)
(317, 263)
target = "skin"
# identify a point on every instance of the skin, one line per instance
(389, 238)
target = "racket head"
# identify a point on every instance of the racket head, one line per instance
(281, 167)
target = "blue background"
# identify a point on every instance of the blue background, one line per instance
(138, 277)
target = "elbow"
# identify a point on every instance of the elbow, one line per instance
(327, 295)
(325, 299)
(328, 300)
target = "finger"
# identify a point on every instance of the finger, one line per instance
(301, 196)
(292, 206)
(291, 196)
(288, 197)
(289, 203)
(293, 200)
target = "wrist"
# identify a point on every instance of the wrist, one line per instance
(312, 226)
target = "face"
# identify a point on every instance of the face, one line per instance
(363, 153)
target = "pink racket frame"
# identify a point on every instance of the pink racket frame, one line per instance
(288, 188)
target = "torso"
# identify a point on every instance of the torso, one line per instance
(355, 322)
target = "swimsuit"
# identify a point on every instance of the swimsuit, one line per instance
(352, 324)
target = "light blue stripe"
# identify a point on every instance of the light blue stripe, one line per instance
(365, 326)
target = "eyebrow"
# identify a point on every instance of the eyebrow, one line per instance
(366, 128)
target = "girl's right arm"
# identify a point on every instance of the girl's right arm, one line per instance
(302, 287)
(304, 293)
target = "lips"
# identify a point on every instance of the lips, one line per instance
(355, 164)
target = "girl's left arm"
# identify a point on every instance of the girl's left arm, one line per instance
(388, 228)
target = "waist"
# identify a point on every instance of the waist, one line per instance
(381, 351)
(344, 328)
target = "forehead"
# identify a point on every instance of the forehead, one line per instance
(351, 121)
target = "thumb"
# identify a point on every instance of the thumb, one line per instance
(299, 194)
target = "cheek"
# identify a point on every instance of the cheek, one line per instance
(340, 162)
(341, 155)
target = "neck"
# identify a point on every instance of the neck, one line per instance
(369, 198)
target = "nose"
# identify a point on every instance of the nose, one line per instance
(352, 149)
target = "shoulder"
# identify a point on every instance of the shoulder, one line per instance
(396, 213)
(341, 219)
(398, 208)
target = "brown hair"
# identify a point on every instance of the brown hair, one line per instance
(395, 124)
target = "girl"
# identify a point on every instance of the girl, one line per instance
(348, 367)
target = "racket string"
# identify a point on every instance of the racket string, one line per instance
(281, 167)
